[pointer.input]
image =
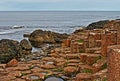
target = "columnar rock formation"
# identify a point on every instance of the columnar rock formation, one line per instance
(83, 56)
(114, 63)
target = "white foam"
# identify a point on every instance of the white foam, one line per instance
(6, 32)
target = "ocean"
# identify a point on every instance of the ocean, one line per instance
(57, 21)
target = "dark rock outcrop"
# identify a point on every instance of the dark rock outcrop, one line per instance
(39, 37)
(9, 49)
(97, 25)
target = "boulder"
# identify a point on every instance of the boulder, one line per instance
(9, 49)
(25, 44)
(26, 47)
(39, 37)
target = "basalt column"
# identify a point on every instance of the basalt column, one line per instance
(114, 63)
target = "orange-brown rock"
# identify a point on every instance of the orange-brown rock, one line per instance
(97, 43)
(114, 63)
(114, 25)
(83, 57)
(36, 70)
(73, 64)
(83, 77)
(67, 42)
(86, 69)
(48, 59)
(48, 66)
(100, 64)
(72, 56)
(2, 65)
(60, 62)
(7, 78)
(91, 40)
(18, 68)
(12, 63)
(15, 74)
(70, 69)
(101, 74)
(92, 58)
(74, 61)
(3, 72)
(19, 79)
(97, 36)
(73, 47)
(104, 45)
(26, 72)
(92, 50)
(54, 55)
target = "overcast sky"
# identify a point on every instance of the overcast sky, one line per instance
(44, 5)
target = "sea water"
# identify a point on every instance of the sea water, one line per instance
(57, 21)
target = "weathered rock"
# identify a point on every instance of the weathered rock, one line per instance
(100, 64)
(114, 63)
(100, 75)
(114, 25)
(26, 35)
(7, 78)
(19, 79)
(9, 49)
(18, 68)
(26, 47)
(92, 50)
(12, 63)
(92, 58)
(25, 44)
(70, 69)
(86, 69)
(15, 74)
(39, 37)
(48, 66)
(83, 77)
(72, 56)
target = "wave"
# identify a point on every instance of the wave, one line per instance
(6, 32)
(10, 30)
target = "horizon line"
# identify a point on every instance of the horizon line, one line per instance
(59, 10)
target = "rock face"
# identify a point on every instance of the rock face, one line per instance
(9, 49)
(97, 25)
(39, 37)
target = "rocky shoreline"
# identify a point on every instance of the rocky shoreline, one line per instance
(81, 56)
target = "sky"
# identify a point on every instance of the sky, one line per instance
(59, 5)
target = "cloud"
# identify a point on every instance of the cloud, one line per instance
(59, 5)
(29, 1)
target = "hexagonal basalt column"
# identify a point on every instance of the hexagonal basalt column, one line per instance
(114, 63)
